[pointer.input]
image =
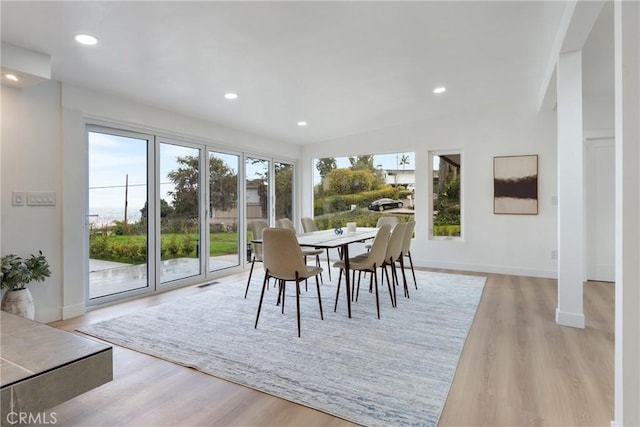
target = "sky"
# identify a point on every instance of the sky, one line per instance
(113, 159)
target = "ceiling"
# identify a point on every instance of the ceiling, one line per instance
(343, 67)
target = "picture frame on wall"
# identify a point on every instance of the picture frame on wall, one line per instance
(515, 185)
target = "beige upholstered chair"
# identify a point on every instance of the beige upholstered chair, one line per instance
(308, 225)
(255, 226)
(282, 260)
(406, 249)
(391, 220)
(306, 251)
(368, 262)
(288, 224)
(394, 252)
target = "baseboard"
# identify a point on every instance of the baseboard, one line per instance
(574, 320)
(75, 310)
(613, 424)
(476, 268)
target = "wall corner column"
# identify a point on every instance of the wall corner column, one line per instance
(571, 239)
(627, 216)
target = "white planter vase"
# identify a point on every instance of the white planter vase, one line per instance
(19, 302)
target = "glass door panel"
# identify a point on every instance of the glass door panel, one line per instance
(223, 214)
(179, 212)
(284, 190)
(118, 226)
(256, 193)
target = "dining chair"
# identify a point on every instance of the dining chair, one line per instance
(306, 251)
(391, 220)
(368, 262)
(283, 260)
(406, 248)
(394, 252)
(309, 225)
(256, 226)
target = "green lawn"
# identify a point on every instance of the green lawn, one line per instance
(132, 248)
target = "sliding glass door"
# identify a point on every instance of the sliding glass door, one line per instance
(223, 214)
(284, 190)
(164, 213)
(118, 230)
(179, 212)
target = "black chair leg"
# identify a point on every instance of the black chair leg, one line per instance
(404, 276)
(264, 284)
(415, 282)
(390, 285)
(250, 273)
(328, 264)
(375, 277)
(298, 303)
(319, 298)
(335, 307)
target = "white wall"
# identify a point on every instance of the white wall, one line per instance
(31, 156)
(511, 244)
(44, 148)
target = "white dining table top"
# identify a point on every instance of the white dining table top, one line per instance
(330, 239)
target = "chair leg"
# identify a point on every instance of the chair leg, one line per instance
(335, 307)
(375, 277)
(328, 264)
(318, 265)
(283, 287)
(264, 284)
(390, 285)
(415, 282)
(353, 285)
(298, 302)
(404, 276)
(394, 275)
(253, 261)
(319, 298)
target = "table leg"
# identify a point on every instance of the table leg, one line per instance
(345, 254)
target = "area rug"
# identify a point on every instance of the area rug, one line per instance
(395, 371)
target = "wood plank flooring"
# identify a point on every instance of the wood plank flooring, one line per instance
(518, 368)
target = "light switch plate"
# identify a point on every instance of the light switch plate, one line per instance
(17, 198)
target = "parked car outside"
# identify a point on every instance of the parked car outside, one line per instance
(383, 204)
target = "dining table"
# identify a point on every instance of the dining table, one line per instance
(338, 239)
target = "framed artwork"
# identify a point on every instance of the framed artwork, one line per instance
(515, 185)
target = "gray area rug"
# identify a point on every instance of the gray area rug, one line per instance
(395, 371)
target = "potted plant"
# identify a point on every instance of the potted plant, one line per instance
(15, 275)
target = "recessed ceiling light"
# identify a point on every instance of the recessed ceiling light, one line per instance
(86, 39)
(302, 123)
(440, 89)
(231, 95)
(11, 77)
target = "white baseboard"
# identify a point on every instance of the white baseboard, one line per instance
(476, 268)
(574, 320)
(71, 311)
(613, 424)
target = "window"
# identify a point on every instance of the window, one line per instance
(446, 195)
(363, 188)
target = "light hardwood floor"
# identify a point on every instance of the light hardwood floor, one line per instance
(518, 368)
